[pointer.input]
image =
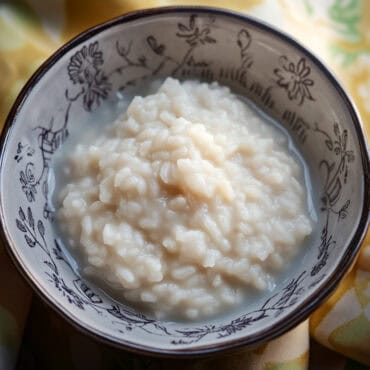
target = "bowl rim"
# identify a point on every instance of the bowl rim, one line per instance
(296, 316)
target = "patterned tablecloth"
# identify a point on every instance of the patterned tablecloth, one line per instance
(338, 31)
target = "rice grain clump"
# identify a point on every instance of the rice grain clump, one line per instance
(187, 200)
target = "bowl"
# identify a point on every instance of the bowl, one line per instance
(276, 73)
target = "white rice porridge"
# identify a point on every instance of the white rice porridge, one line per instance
(185, 202)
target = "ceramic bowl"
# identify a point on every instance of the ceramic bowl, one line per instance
(272, 70)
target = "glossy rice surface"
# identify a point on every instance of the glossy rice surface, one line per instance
(186, 202)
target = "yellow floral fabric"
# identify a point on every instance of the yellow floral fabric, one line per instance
(338, 31)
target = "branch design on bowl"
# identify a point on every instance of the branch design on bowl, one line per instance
(275, 305)
(335, 175)
(93, 84)
(84, 69)
(49, 140)
(195, 35)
